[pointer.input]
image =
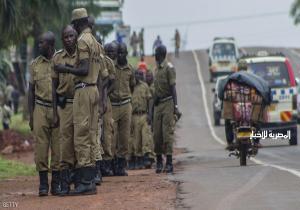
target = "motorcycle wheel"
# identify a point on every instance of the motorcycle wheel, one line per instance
(243, 154)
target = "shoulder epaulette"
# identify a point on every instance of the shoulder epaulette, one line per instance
(34, 61)
(58, 51)
(170, 65)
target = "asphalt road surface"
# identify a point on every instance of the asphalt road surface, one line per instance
(210, 179)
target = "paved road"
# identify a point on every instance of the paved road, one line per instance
(212, 180)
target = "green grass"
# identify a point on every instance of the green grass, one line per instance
(133, 61)
(18, 124)
(9, 168)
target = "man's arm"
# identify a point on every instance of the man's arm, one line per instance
(31, 99)
(55, 82)
(81, 70)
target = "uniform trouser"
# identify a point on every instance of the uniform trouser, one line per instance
(45, 137)
(122, 122)
(97, 148)
(148, 147)
(141, 143)
(163, 128)
(108, 132)
(85, 117)
(67, 153)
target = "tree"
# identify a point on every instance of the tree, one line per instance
(295, 11)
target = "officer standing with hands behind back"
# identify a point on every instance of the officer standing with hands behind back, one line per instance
(122, 109)
(165, 106)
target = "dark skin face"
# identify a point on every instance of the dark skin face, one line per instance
(139, 76)
(149, 78)
(69, 39)
(122, 55)
(46, 49)
(160, 54)
(111, 50)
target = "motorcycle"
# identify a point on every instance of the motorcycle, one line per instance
(245, 107)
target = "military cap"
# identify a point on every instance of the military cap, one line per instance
(79, 13)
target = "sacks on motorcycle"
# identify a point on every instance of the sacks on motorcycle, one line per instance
(242, 103)
(245, 97)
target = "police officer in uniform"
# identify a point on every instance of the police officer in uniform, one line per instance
(86, 101)
(63, 95)
(110, 59)
(165, 105)
(141, 118)
(122, 109)
(41, 115)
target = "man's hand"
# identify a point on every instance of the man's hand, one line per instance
(149, 119)
(177, 113)
(55, 123)
(31, 123)
(60, 68)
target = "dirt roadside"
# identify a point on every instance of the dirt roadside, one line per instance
(142, 189)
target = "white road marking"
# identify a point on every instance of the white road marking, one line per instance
(204, 97)
(218, 139)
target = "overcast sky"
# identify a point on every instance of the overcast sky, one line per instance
(251, 22)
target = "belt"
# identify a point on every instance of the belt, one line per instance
(69, 100)
(42, 102)
(139, 112)
(165, 99)
(83, 85)
(120, 103)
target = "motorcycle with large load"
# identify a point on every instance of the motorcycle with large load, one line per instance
(245, 98)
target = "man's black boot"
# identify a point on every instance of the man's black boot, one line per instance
(64, 182)
(169, 164)
(139, 162)
(98, 175)
(159, 164)
(108, 168)
(121, 167)
(44, 187)
(87, 184)
(147, 161)
(75, 177)
(114, 165)
(132, 163)
(55, 183)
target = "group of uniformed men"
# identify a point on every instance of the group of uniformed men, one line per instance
(73, 91)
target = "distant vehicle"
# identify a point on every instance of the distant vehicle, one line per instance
(223, 56)
(278, 72)
(217, 103)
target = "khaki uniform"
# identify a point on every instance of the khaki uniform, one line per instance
(108, 118)
(163, 122)
(86, 101)
(66, 126)
(122, 110)
(140, 98)
(45, 136)
(148, 146)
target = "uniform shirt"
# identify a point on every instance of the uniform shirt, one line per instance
(89, 48)
(124, 80)
(110, 66)
(40, 77)
(165, 77)
(140, 97)
(66, 81)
